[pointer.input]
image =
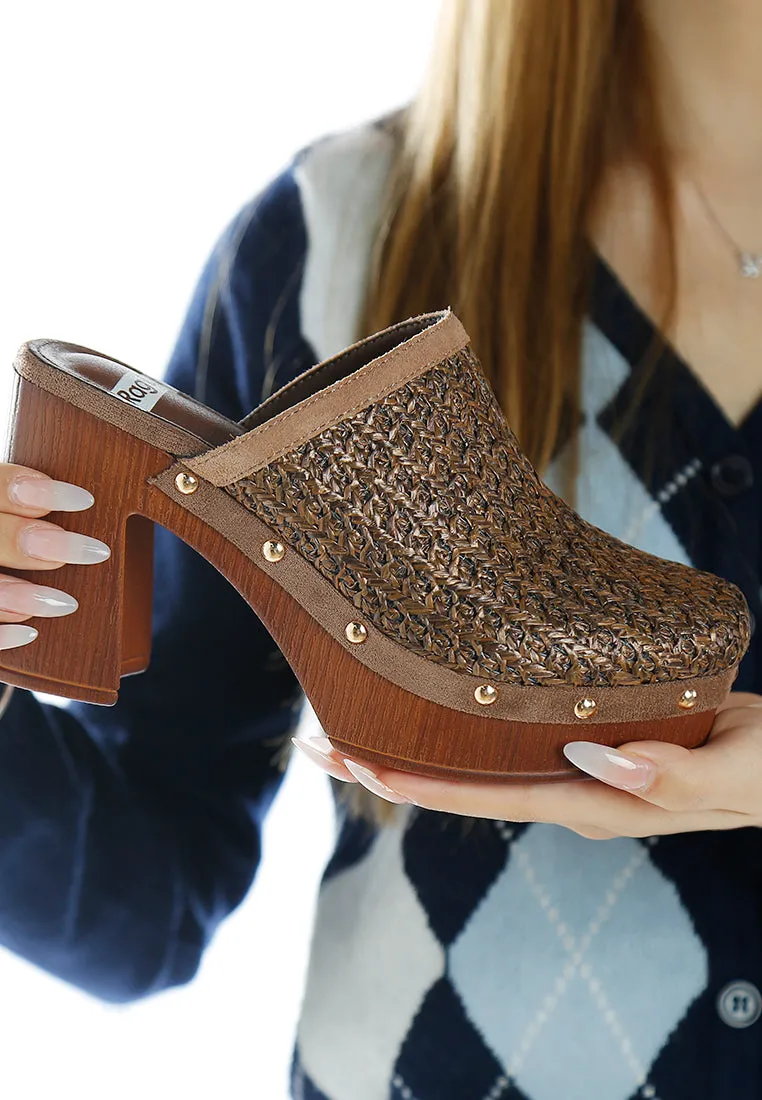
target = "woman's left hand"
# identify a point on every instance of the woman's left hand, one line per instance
(716, 786)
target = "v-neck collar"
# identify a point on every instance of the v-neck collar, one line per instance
(626, 325)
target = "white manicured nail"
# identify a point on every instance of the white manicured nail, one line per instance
(45, 492)
(13, 635)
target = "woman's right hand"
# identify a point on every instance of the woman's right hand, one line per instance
(29, 542)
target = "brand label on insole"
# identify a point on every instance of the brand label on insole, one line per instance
(138, 390)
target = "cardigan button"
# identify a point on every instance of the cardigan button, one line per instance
(732, 475)
(739, 1004)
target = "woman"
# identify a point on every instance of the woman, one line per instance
(558, 158)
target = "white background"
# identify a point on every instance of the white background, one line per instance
(131, 134)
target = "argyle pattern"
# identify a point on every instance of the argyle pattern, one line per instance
(510, 962)
(525, 961)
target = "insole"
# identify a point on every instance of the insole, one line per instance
(155, 396)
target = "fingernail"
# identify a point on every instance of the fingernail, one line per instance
(609, 765)
(16, 634)
(370, 780)
(54, 544)
(44, 492)
(321, 758)
(35, 599)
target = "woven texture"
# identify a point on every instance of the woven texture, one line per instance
(423, 512)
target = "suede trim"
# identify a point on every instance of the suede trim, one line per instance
(266, 443)
(51, 365)
(409, 670)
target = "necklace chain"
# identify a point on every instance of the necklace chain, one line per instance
(749, 263)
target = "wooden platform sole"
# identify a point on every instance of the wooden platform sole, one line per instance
(85, 654)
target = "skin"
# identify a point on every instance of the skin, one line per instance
(709, 58)
(712, 787)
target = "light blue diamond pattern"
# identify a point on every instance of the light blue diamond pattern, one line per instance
(608, 492)
(578, 964)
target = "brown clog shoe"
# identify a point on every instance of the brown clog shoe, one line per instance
(443, 610)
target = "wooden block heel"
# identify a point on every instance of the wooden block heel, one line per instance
(84, 655)
(443, 610)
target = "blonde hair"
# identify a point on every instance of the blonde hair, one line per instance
(499, 159)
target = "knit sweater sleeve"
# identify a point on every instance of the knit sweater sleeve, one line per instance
(127, 833)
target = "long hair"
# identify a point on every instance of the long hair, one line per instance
(498, 162)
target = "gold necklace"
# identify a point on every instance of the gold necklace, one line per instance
(749, 263)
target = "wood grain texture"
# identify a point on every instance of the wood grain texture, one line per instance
(83, 655)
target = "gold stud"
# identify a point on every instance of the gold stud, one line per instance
(356, 632)
(585, 708)
(688, 699)
(186, 483)
(273, 551)
(485, 693)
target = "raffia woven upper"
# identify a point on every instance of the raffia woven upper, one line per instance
(423, 511)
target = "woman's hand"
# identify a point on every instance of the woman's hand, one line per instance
(717, 786)
(26, 542)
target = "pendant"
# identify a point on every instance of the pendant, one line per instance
(751, 265)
